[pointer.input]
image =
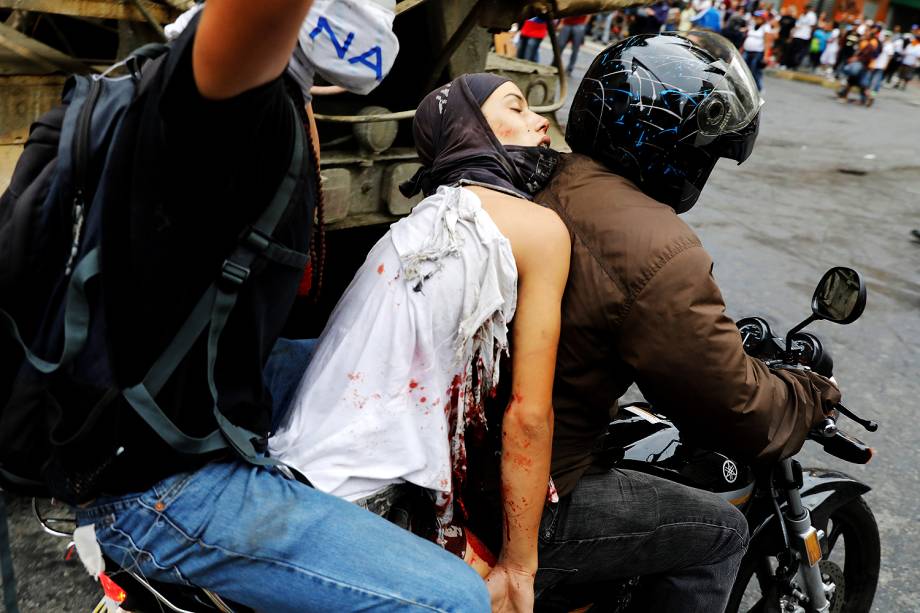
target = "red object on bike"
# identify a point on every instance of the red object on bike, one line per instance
(112, 589)
(306, 282)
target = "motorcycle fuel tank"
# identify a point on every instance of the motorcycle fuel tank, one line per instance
(643, 441)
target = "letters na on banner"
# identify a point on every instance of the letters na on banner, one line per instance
(372, 58)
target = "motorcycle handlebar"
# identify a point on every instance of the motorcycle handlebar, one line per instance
(825, 365)
(843, 446)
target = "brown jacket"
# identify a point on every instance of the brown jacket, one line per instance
(641, 306)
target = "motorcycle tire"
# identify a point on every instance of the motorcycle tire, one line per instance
(855, 525)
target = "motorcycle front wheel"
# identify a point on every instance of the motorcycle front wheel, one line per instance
(852, 563)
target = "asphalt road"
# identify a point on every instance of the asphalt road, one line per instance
(827, 185)
(838, 185)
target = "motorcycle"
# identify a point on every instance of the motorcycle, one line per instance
(800, 520)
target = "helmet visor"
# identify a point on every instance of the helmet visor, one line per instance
(733, 100)
(738, 145)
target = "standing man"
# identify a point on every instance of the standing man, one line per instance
(602, 24)
(757, 40)
(897, 41)
(533, 31)
(877, 69)
(573, 29)
(910, 61)
(801, 36)
(783, 44)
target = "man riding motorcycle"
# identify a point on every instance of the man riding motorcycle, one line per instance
(648, 123)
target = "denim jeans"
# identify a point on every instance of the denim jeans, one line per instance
(754, 60)
(283, 371)
(273, 544)
(529, 49)
(685, 543)
(576, 34)
(872, 79)
(605, 20)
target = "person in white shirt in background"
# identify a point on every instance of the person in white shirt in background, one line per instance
(701, 6)
(686, 18)
(897, 39)
(910, 60)
(801, 36)
(829, 55)
(872, 80)
(759, 35)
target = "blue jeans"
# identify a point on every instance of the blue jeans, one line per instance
(273, 544)
(529, 49)
(284, 370)
(576, 34)
(872, 79)
(606, 20)
(754, 60)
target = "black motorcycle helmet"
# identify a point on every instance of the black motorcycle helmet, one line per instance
(661, 109)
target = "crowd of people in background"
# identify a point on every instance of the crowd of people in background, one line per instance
(861, 54)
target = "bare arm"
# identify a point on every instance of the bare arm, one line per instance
(241, 44)
(542, 254)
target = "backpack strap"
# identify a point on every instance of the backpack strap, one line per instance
(212, 312)
(76, 317)
(6, 562)
(150, 51)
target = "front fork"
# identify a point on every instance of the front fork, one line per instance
(804, 539)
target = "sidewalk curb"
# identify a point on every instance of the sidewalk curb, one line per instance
(791, 75)
(804, 77)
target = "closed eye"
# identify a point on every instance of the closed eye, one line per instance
(516, 103)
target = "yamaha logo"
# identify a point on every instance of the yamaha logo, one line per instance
(730, 471)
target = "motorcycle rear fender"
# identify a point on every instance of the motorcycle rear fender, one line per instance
(823, 491)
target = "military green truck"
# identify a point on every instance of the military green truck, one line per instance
(366, 141)
(43, 40)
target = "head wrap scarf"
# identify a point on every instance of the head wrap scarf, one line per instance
(456, 144)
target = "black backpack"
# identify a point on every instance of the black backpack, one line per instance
(51, 317)
(50, 303)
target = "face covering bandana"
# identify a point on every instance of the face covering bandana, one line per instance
(456, 144)
(535, 165)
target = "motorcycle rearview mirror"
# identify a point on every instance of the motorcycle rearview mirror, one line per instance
(840, 297)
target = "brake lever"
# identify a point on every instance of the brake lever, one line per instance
(868, 424)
